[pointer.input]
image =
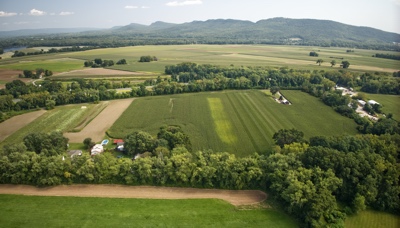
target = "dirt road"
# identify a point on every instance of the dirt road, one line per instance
(12, 125)
(98, 126)
(235, 197)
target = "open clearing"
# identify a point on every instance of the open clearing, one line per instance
(97, 72)
(235, 197)
(10, 75)
(251, 116)
(51, 211)
(98, 126)
(373, 219)
(12, 125)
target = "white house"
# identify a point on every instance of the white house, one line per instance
(361, 102)
(372, 102)
(97, 149)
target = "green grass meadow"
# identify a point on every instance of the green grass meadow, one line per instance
(390, 103)
(39, 211)
(238, 55)
(56, 64)
(373, 219)
(241, 122)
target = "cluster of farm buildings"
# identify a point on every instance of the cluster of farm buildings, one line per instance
(99, 148)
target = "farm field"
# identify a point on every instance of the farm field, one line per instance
(372, 219)
(391, 103)
(55, 64)
(62, 118)
(12, 125)
(241, 55)
(97, 127)
(40, 211)
(249, 119)
(225, 55)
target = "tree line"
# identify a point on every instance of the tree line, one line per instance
(54, 50)
(387, 56)
(308, 178)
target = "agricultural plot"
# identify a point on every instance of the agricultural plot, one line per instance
(241, 122)
(56, 64)
(39, 211)
(62, 119)
(390, 103)
(372, 219)
(241, 55)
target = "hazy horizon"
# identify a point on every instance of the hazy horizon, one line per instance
(20, 14)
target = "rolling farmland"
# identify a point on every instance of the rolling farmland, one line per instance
(62, 119)
(249, 117)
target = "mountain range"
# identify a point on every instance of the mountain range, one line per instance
(274, 30)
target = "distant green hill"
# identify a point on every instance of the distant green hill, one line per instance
(221, 31)
(278, 30)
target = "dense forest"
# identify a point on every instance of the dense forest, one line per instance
(271, 31)
(309, 179)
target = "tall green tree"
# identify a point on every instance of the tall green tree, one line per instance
(288, 136)
(319, 61)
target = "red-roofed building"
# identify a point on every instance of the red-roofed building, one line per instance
(117, 141)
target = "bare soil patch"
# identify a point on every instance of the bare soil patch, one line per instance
(12, 125)
(97, 72)
(235, 197)
(10, 75)
(98, 126)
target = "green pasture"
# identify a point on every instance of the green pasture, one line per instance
(57, 64)
(390, 103)
(62, 118)
(39, 211)
(373, 219)
(225, 55)
(241, 122)
(241, 55)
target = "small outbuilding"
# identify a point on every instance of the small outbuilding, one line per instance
(372, 102)
(97, 149)
(73, 153)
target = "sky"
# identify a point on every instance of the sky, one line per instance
(33, 14)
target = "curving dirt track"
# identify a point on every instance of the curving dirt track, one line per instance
(97, 128)
(235, 197)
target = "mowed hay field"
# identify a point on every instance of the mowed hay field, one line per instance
(241, 122)
(63, 118)
(39, 211)
(390, 103)
(373, 219)
(240, 55)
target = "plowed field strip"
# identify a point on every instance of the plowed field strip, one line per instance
(235, 197)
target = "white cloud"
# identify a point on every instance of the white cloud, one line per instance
(131, 7)
(6, 14)
(145, 7)
(35, 12)
(397, 2)
(185, 3)
(66, 13)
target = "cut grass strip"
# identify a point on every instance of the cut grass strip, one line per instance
(222, 123)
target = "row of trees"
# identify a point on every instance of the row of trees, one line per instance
(387, 56)
(147, 58)
(308, 179)
(53, 50)
(38, 73)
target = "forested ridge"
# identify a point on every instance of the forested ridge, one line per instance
(270, 31)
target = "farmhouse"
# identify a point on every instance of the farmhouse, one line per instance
(372, 102)
(73, 153)
(97, 149)
(361, 102)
